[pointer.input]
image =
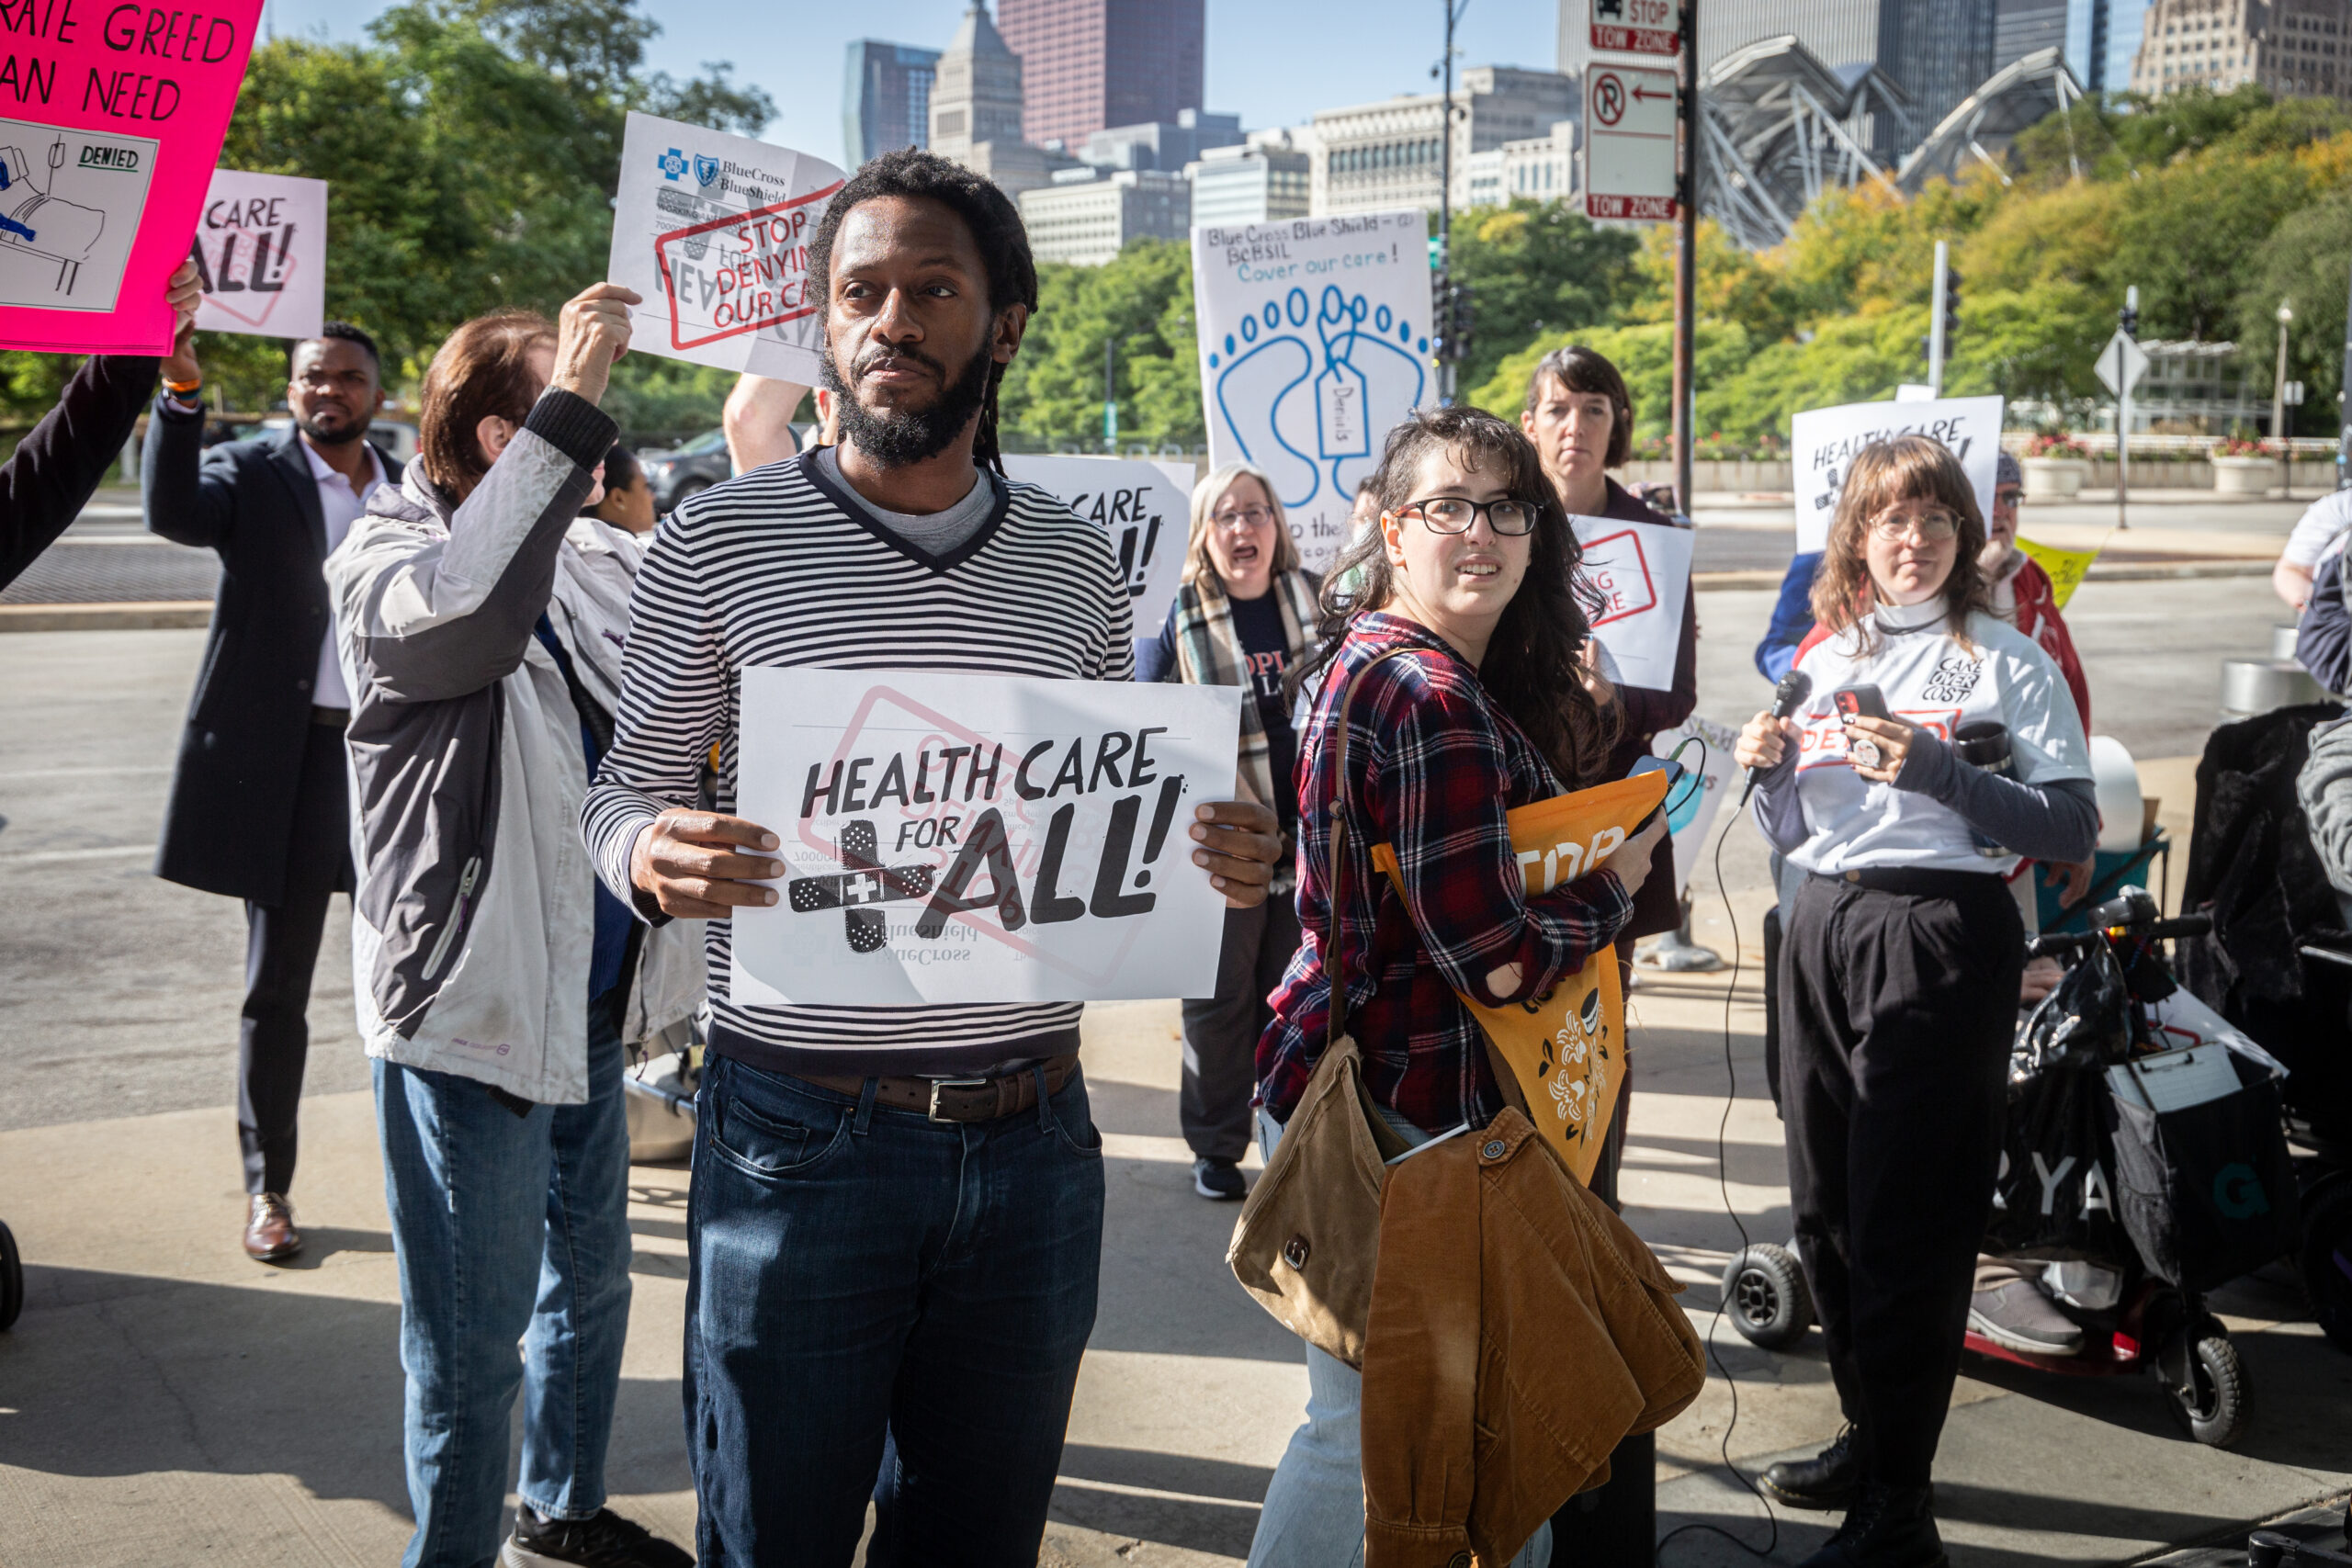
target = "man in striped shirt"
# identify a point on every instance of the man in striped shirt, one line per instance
(898, 1211)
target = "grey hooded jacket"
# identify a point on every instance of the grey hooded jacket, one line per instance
(475, 910)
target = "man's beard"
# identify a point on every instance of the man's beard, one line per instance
(322, 436)
(897, 437)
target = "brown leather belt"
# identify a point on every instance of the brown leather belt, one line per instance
(958, 1099)
(336, 718)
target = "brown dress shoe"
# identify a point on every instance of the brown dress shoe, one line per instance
(270, 1236)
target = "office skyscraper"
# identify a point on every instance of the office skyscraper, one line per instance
(1088, 66)
(886, 100)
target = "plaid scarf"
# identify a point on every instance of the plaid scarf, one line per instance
(1208, 653)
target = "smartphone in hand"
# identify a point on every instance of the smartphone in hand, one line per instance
(1675, 773)
(1864, 701)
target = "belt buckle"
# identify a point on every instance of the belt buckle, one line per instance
(938, 1084)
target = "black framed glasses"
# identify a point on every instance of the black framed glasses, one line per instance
(1451, 515)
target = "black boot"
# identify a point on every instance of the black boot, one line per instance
(1888, 1526)
(1825, 1481)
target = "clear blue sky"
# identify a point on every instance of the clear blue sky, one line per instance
(1272, 62)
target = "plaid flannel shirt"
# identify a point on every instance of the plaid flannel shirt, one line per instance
(1435, 766)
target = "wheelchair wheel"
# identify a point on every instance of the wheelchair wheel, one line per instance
(1765, 1295)
(2325, 1262)
(12, 1279)
(2217, 1401)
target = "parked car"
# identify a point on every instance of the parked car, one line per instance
(686, 470)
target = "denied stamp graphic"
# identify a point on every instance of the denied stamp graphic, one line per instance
(734, 274)
(712, 231)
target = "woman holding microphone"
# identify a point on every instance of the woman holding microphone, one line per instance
(1903, 951)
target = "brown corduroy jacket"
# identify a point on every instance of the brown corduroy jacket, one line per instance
(1519, 1332)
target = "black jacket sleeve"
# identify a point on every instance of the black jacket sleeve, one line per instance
(190, 497)
(57, 467)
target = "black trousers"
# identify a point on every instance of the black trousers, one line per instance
(1221, 1033)
(281, 951)
(1897, 1018)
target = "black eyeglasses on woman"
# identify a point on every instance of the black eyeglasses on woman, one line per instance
(1451, 515)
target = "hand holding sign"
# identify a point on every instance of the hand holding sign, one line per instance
(592, 332)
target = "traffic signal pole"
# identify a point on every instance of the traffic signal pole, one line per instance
(1444, 293)
(1686, 255)
(1936, 321)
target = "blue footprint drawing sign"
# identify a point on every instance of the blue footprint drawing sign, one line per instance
(1314, 341)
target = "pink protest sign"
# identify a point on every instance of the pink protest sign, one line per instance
(111, 118)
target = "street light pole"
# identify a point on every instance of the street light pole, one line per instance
(1453, 9)
(1686, 255)
(2278, 394)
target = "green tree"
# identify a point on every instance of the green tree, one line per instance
(1534, 267)
(2305, 262)
(1140, 305)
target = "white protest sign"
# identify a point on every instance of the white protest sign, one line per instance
(1643, 574)
(1315, 341)
(261, 240)
(1144, 506)
(713, 230)
(1691, 810)
(980, 838)
(1822, 443)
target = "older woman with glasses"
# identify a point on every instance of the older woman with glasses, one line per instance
(1245, 613)
(1938, 745)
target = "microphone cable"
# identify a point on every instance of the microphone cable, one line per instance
(1722, 1183)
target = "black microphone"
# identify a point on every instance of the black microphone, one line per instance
(1794, 687)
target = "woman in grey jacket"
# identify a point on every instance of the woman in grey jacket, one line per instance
(494, 979)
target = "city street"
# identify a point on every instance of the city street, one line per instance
(164, 1400)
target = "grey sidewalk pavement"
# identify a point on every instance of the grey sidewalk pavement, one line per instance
(164, 1401)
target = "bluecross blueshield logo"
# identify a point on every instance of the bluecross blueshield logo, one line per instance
(706, 170)
(674, 164)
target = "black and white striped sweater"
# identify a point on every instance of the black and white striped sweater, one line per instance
(780, 566)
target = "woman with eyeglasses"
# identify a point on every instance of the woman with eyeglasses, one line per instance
(1902, 957)
(1469, 575)
(1245, 613)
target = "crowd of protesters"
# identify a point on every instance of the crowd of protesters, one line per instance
(487, 700)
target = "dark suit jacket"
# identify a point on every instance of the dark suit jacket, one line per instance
(44, 487)
(230, 820)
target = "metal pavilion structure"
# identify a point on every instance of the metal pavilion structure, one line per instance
(1778, 127)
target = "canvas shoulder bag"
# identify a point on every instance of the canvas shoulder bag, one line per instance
(1308, 1237)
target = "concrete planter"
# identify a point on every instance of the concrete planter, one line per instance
(2245, 476)
(1740, 476)
(2055, 478)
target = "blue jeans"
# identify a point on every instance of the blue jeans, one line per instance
(1313, 1516)
(856, 1271)
(506, 1227)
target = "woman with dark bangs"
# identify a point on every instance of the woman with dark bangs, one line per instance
(1902, 952)
(1469, 572)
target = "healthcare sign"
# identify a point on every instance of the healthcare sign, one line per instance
(1642, 573)
(113, 120)
(713, 230)
(1315, 342)
(261, 244)
(980, 838)
(1146, 507)
(1824, 442)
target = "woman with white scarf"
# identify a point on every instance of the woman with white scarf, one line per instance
(1245, 613)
